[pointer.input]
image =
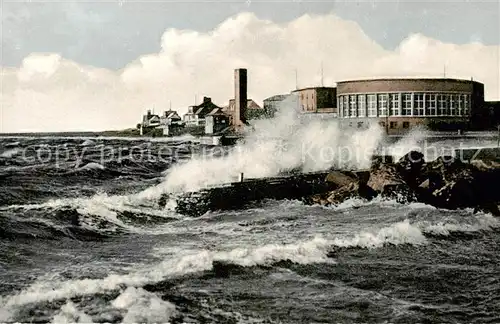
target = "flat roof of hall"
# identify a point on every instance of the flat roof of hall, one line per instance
(312, 87)
(407, 78)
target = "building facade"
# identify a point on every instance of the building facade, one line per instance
(400, 104)
(170, 117)
(317, 99)
(216, 122)
(196, 114)
(252, 110)
(272, 104)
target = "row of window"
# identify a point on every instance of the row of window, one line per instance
(404, 104)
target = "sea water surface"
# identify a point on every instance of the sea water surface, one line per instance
(82, 239)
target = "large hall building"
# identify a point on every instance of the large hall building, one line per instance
(398, 104)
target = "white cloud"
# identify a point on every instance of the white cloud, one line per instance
(50, 93)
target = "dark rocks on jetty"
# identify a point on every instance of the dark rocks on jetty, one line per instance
(446, 182)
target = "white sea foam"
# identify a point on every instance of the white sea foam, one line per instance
(311, 251)
(70, 314)
(276, 145)
(314, 250)
(102, 206)
(410, 142)
(12, 144)
(92, 166)
(142, 306)
(398, 233)
(88, 142)
(481, 222)
(10, 153)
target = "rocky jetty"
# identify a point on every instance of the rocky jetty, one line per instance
(446, 182)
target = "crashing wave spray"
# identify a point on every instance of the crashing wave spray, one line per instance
(290, 141)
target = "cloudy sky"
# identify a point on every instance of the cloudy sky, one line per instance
(92, 65)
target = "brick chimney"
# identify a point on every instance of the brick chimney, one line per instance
(240, 96)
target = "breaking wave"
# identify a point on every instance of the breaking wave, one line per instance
(315, 250)
(285, 143)
(10, 153)
(70, 314)
(81, 218)
(141, 306)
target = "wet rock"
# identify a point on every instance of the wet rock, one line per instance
(349, 185)
(411, 161)
(485, 165)
(340, 178)
(388, 182)
(378, 160)
(410, 168)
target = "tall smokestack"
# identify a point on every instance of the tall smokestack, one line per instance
(240, 96)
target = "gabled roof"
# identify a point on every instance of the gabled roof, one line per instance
(169, 114)
(173, 114)
(216, 112)
(251, 104)
(199, 111)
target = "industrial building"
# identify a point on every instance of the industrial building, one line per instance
(317, 99)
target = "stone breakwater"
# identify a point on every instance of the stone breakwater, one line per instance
(446, 182)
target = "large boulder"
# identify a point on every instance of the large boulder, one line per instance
(410, 167)
(339, 178)
(386, 180)
(348, 185)
(449, 183)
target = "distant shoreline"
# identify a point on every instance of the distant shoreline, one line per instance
(133, 132)
(118, 133)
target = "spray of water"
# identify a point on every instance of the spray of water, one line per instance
(281, 144)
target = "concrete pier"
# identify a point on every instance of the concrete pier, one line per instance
(238, 194)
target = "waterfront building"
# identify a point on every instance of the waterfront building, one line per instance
(400, 104)
(216, 122)
(317, 100)
(196, 114)
(170, 117)
(150, 119)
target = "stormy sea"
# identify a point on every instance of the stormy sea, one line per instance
(83, 239)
